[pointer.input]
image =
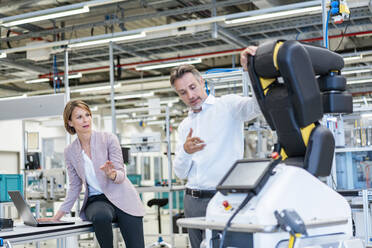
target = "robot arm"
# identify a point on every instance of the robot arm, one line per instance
(295, 84)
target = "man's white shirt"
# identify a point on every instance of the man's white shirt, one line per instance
(220, 125)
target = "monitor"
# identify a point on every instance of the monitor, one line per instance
(32, 161)
(244, 176)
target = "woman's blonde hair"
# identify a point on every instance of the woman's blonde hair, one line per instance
(69, 108)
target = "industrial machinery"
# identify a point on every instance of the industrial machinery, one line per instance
(48, 184)
(281, 202)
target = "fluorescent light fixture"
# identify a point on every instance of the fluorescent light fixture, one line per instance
(98, 88)
(134, 96)
(366, 115)
(356, 71)
(2, 55)
(139, 104)
(72, 76)
(353, 58)
(364, 100)
(276, 15)
(94, 108)
(159, 122)
(13, 97)
(84, 9)
(171, 64)
(360, 81)
(107, 40)
(77, 75)
(225, 86)
(122, 116)
(39, 80)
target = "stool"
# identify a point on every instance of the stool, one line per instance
(159, 203)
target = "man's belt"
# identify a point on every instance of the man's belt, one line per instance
(196, 193)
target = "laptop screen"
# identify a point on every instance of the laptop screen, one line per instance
(22, 208)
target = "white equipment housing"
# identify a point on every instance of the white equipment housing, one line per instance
(289, 188)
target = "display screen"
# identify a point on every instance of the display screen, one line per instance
(245, 175)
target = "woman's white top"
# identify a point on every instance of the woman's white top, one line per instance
(90, 176)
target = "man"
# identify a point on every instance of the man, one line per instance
(210, 139)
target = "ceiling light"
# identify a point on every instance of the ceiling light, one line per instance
(107, 40)
(353, 58)
(13, 97)
(98, 88)
(159, 122)
(39, 80)
(20, 21)
(225, 86)
(356, 71)
(171, 64)
(276, 15)
(139, 104)
(362, 100)
(122, 116)
(94, 108)
(360, 81)
(42, 80)
(77, 75)
(72, 76)
(134, 96)
(366, 115)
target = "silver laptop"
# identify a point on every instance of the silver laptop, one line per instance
(25, 212)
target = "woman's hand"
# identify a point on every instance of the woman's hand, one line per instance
(109, 170)
(56, 217)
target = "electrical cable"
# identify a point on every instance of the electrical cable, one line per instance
(343, 34)
(228, 224)
(206, 87)
(326, 31)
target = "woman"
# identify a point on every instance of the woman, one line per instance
(95, 160)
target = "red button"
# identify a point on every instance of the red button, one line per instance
(225, 204)
(274, 155)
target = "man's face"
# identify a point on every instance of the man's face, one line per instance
(191, 90)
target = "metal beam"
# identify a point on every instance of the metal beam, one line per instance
(235, 40)
(133, 53)
(25, 66)
(126, 19)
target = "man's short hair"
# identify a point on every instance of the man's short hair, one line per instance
(179, 71)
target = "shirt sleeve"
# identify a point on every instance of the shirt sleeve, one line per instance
(183, 160)
(116, 157)
(243, 108)
(75, 186)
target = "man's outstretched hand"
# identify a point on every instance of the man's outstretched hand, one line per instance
(193, 144)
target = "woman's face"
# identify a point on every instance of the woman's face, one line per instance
(81, 120)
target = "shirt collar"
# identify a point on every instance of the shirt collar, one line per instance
(209, 101)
